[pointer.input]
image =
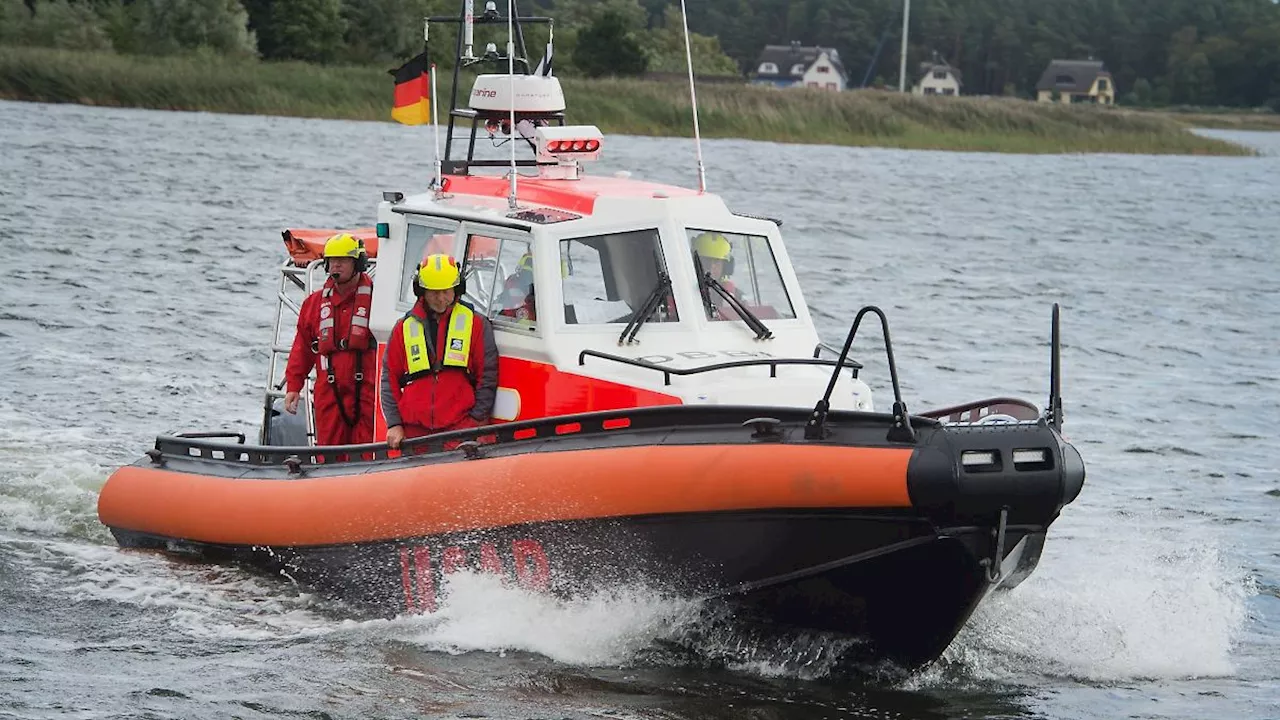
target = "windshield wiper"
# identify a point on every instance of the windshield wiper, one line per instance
(646, 309)
(705, 281)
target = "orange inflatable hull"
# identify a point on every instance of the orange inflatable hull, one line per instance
(414, 501)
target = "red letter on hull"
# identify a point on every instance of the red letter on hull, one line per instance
(489, 560)
(419, 584)
(532, 569)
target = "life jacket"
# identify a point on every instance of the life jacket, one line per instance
(358, 336)
(358, 340)
(420, 358)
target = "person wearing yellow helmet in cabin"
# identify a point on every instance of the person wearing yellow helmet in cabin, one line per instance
(440, 367)
(333, 337)
(714, 254)
(518, 299)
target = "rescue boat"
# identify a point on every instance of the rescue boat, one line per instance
(655, 422)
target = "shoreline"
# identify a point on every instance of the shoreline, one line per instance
(863, 118)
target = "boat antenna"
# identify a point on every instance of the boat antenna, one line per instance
(468, 28)
(693, 99)
(511, 76)
(435, 106)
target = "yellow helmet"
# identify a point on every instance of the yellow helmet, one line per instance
(438, 272)
(712, 245)
(525, 264)
(343, 245)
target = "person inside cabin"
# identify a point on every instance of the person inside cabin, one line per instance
(518, 300)
(333, 337)
(715, 256)
(440, 367)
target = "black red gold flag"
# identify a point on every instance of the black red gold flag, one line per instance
(413, 92)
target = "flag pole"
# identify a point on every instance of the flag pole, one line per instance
(435, 124)
(435, 107)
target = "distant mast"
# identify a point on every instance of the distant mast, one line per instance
(902, 55)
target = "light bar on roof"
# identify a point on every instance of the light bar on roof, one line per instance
(568, 142)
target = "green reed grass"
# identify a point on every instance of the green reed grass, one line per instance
(864, 118)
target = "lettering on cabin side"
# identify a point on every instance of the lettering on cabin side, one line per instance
(423, 566)
(722, 355)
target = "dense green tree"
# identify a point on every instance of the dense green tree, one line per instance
(165, 27)
(1212, 52)
(608, 47)
(383, 31)
(311, 30)
(664, 48)
(53, 23)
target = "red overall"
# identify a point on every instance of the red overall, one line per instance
(331, 426)
(518, 300)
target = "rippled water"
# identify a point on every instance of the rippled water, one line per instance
(142, 255)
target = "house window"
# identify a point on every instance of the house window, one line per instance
(1064, 80)
(768, 69)
(812, 84)
(797, 69)
(823, 69)
(1102, 84)
(940, 74)
(832, 86)
(931, 91)
(948, 91)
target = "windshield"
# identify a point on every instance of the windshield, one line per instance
(607, 278)
(744, 265)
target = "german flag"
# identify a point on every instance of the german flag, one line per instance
(413, 92)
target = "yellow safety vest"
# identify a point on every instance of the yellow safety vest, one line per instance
(457, 343)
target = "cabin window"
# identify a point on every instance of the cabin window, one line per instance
(823, 68)
(500, 281)
(768, 69)
(1102, 84)
(797, 69)
(607, 278)
(939, 74)
(948, 91)
(422, 238)
(748, 271)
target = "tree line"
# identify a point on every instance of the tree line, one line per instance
(1199, 52)
(1195, 52)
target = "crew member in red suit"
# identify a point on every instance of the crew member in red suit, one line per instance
(518, 299)
(333, 337)
(440, 367)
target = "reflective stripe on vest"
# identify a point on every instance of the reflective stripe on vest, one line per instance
(358, 335)
(457, 342)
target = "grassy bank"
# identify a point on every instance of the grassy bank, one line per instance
(1224, 119)
(867, 118)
